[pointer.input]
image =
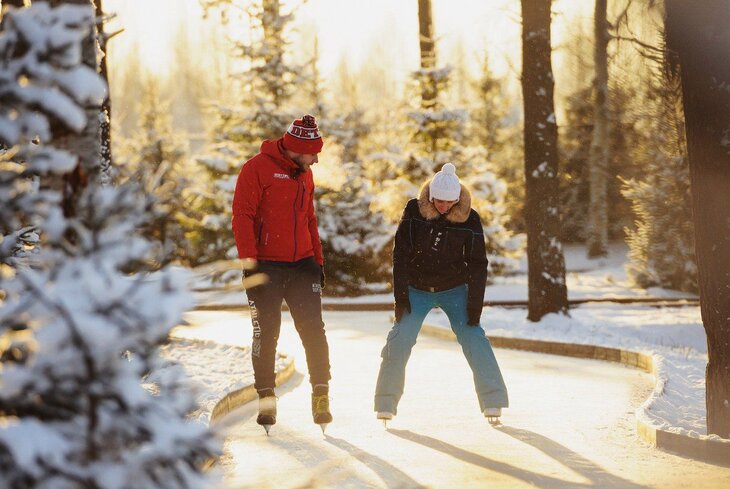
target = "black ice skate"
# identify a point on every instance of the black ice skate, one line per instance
(321, 410)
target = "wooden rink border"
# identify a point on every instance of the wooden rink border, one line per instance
(704, 449)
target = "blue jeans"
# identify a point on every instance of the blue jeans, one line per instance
(488, 381)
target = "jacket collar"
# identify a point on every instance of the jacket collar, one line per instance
(458, 214)
(273, 149)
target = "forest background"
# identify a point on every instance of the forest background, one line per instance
(194, 96)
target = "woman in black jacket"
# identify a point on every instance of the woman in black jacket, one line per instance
(439, 260)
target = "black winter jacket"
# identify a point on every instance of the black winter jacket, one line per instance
(440, 252)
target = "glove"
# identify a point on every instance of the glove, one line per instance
(401, 307)
(473, 317)
(322, 278)
(247, 274)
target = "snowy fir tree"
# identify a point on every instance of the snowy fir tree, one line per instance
(355, 239)
(441, 135)
(437, 135)
(504, 248)
(625, 111)
(157, 159)
(77, 335)
(661, 243)
(262, 111)
(494, 125)
(437, 132)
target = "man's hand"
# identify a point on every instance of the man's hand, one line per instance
(474, 316)
(401, 307)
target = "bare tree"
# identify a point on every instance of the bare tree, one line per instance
(546, 265)
(598, 159)
(429, 91)
(698, 34)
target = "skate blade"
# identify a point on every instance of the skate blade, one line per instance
(494, 420)
(385, 423)
(267, 427)
(323, 426)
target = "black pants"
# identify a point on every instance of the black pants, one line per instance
(298, 283)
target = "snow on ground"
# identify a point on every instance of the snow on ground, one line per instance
(673, 335)
(214, 368)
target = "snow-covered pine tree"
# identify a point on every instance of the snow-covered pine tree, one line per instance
(625, 116)
(504, 248)
(354, 236)
(494, 124)
(438, 134)
(661, 243)
(157, 160)
(435, 132)
(355, 240)
(76, 334)
(263, 111)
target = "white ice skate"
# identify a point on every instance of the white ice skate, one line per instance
(385, 416)
(492, 415)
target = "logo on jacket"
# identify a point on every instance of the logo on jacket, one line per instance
(435, 245)
(317, 288)
(283, 176)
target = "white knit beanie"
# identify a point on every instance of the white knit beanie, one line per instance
(445, 184)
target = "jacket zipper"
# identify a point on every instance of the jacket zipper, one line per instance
(294, 208)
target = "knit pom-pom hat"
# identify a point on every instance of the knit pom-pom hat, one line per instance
(303, 136)
(445, 184)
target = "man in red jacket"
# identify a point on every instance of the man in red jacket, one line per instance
(274, 223)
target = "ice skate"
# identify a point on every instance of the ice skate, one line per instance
(493, 415)
(384, 416)
(267, 412)
(321, 410)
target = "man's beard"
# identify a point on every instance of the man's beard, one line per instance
(298, 160)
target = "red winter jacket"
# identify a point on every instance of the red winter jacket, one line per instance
(273, 209)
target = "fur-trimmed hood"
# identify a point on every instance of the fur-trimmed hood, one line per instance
(459, 213)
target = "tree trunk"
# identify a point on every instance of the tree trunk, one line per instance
(106, 109)
(546, 265)
(698, 33)
(86, 144)
(272, 27)
(598, 158)
(429, 91)
(9, 3)
(12, 3)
